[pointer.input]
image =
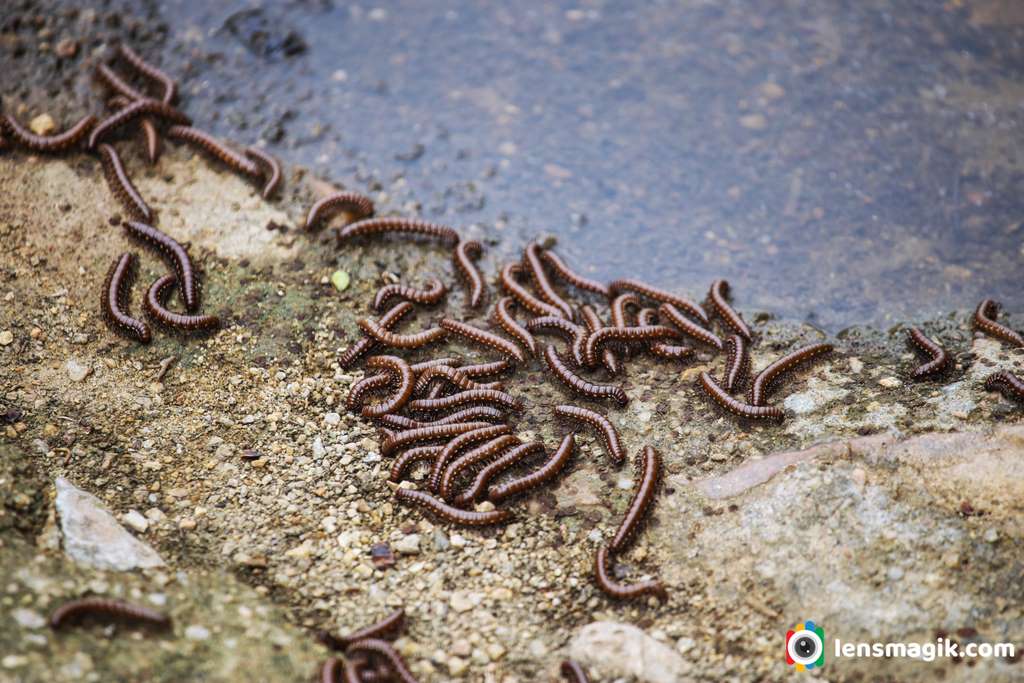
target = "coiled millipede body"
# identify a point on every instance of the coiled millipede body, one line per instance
(514, 456)
(410, 457)
(136, 109)
(114, 304)
(621, 591)
(472, 458)
(452, 449)
(765, 380)
(649, 474)
(151, 72)
(540, 476)
(174, 254)
(452, 514)
(271, 170)
(511, 285)
(985, 320)
(370, 383)
(718, 296)
(503, 316)
(432, 293)
(657, 294)
(47, 144)
(579, 385)
(353, 203)
(735, 406)
(1009, 384)
(737, 363)
(364, 345)
(404, 377)
(483, 338)
(593, 322)
(532, 260)
(155, 307)
(454, 376)
(634, 335)
(466, 252)
(376, 646)
(938, 361)
(575, 334)
(400, 341)
(599, 422)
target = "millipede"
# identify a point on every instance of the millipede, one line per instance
(156, 309)
(452, 449)
(618, 308)
(540, 476)
(483, 338)
(387, 225)
(330, 669)
(652, 292)
(478, 488)
(151, 137)
(114, 303)
(489, 369)
(472, 458)
(117, 84)
(387, 628)
(621, 591)
(737, 363)
(938, 361)
(718, 296)
(532, 261)
(466, 252)
(593, 321)
(575, 334)
(452, 514)
(400, 341)
(133, 111)
(121, 185)
(353, 203)
(635, 334)
(457, 378)
(762, 384)
(174, 254)
(400, 371)
(376, 646)
(151, 72)
(47, 144)
(985, 320)
(108, 610)
(602, 424)
(470, 396)
(216, 149)
(410, 457)
(364, 345)
(430, 294)
(688, 327)
(271, 170)
(736, 406)
(572, 277)
(675, 352)
(1007, 383)
(649, 471)
(511, 285)
(409, 437)
(357, 395)
(503, 316)
(471, 414)
(573, 672)
(579, 385)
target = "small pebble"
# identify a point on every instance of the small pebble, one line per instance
(42, 125)
(6, 337)
(77, 371)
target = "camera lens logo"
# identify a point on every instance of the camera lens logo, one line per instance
(805, 646)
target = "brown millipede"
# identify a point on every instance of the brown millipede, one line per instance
(121, 185)
(114, 82)
(49, 144)
(400, 341)
(149, 71)
(622, 591)
(503, 316)
(376, 646)
(657, 294)
(737, 363)
(152, 138)
(717, 295)
(575, 334)
(762, 384)
(452, 514)
(1007, 383)
(540, 476)
(393, 224)
(735, 406)
(330, 669)
(114, 303)
(465, 397)
(618, 308)
(483, 338)
(490, 369)
(573, 278)
(353, 203)
(985, 320)
(472, 414)
(400, 371)
(531, 259)
(521, 294)
(580, 385)
(649, 474)
(465, 253)
(133, 111)
(456, 377)
(364, 345)
(387, 628)
(939, 359)
(215, 148)
(477, 489)
(573, 672)
(357, 395)
(174, 254)
(688, 327)
(670, 351)
(428, 433)
(592, 322)
(156, 309)
(433, 292)
(481, 453)
(599, 422)
(458, 444)
(271, 170)
(410, 457)
(110, 609)
(636, 334)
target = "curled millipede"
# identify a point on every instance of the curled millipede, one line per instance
(599, 422)
(49, 144)
(393, 224)
(762, 384)
(376, 646)
(491, 369)
(133, 111)
(121, 185)
(156, 309)
(149, 71)
(114, 304)
(466, 397)
(387, 628)
(480, 454)
(593, 322)
(410, 457)
(452, 514)
(939, 358)
(621, 591)
(409, 437)
(575, 334)
(540, 476)
(271, 170)
(457, 378)
(636, 334)
(330, 669)
(452, 449)
(174, 254)
(429, 295)
(737, 363)
(618, 308)
(648, 316)
(735, 406)
(472, 414)
(573, 672)
(353, 203)
(114, 82)
(353, 353)
(400, 341)
(483, 338)
(521, 294)
(400, 371)
(1009, 384)
(517, 454)
(985, 320)
(649, 466)
(503, 316)
(531, 258)
(465, 253)
(567, 274)
(717, 295)
(657, 294)
(215, 148)
(580, 385)
(688, 327)
(115, 610)
(357, 395)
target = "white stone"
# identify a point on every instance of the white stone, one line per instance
(197, 632)
(77, 371)
(623, 650)
(332, 419)
(27, 618)
(408, 545)
(135, 520)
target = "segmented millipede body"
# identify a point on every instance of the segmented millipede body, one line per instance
(737, 363)
(418, 435)
(395, 421)
(540, 476)
(215, 148)
(137, 109)
(472, 414)
(939, 359)
(573, 672)
(633, 335)
(472, 458)
(457, 378)
(47, 144)
(330, 669)
(410, 457)
(985, 320)
(489, 369)
(649, 474)
(108, 610)
(579, 385)
(1009, 384)
(452, 514)
(503, 316)
(618, 308)
(511, 285)
(452, 449)
(357, 394)
(433, 292)
(736, 406)
(450, 361)
(648, 316)
(400, 341)
(593, 321)
(621, 591)
(386, 225)
(155, 307)
(360, 348)
(572, 277)
(114, 303)
(478, 488)
(599, 422)
(657, 294)
(467, 397)
(483, 338)
(271, 170)
(718, 296)
(151, 137)
(532, 260)
(117, 84)
(149, 71)
(382, 648)
(575, 334)
(400, 371)
(174, 254)
(765, 380)
(688, 327)
(466, 252)
(353, 203)
(388, 628)
(121, 185)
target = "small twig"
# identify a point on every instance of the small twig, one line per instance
(165, 365)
